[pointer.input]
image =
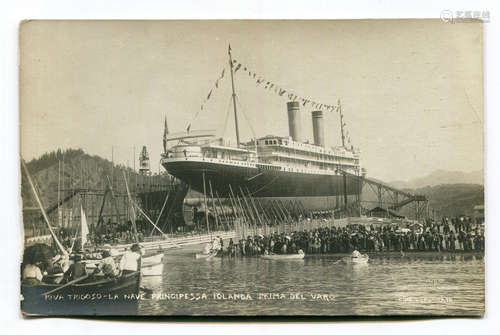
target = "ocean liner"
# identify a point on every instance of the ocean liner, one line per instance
(267, 167)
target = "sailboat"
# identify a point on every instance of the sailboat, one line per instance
(152, 264)
(57, 299)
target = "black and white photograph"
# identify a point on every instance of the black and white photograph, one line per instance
(252, 167)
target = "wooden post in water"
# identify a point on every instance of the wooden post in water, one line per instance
(221, 208)
(281, 211)
(238, 203)
(250, 212)
(206, 207)
(161, 212)
(134, 227)
(285, 214)
(255, 208)
(234, 208)
(236, 224)
(278, 214)
(213, 206)
(266, 217)
(245, 218)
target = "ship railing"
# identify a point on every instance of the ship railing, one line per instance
(308, 155)
(336, 160)
(308, 147)
(245, 163)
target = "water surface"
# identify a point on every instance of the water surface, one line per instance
(390, 284)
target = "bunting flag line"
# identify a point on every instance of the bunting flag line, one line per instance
(269, 85)
(209, 95)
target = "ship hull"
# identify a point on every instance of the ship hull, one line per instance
(314, 190)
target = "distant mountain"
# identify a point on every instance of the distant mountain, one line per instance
(442, 177)
(451, 193)
(451, 199)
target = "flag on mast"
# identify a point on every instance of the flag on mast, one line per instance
(165, 133)
(84, 227)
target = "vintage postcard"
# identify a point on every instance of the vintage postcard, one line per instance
(265, 167)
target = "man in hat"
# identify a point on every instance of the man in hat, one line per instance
(130, 261)
(76, 270)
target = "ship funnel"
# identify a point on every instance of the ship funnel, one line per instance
(318, 128)
(294, 126)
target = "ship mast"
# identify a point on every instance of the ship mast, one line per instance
(234, 98)
(344, 177)
(341, 123)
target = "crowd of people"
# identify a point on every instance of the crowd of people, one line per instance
(105, 233)
(447, 235)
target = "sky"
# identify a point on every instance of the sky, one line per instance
(411, 90)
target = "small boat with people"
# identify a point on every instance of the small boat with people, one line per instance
(356, 258)
(205, 256)
(87, 295)
(299, 255)
(210, 250)
(151, 261)
(56, 281)
(62, 284)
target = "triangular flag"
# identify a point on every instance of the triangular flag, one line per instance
(84, 227)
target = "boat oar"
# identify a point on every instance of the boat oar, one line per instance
(67, 284)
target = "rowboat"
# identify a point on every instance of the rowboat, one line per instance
(363, 259)
(152, 265)
(91, 296)
(147, 261)
(278, 257)
(205, 256)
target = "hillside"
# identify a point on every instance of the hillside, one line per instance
(440, 177)
(77, 170)
(453, 199)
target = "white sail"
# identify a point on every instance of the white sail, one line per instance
(84, 227)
